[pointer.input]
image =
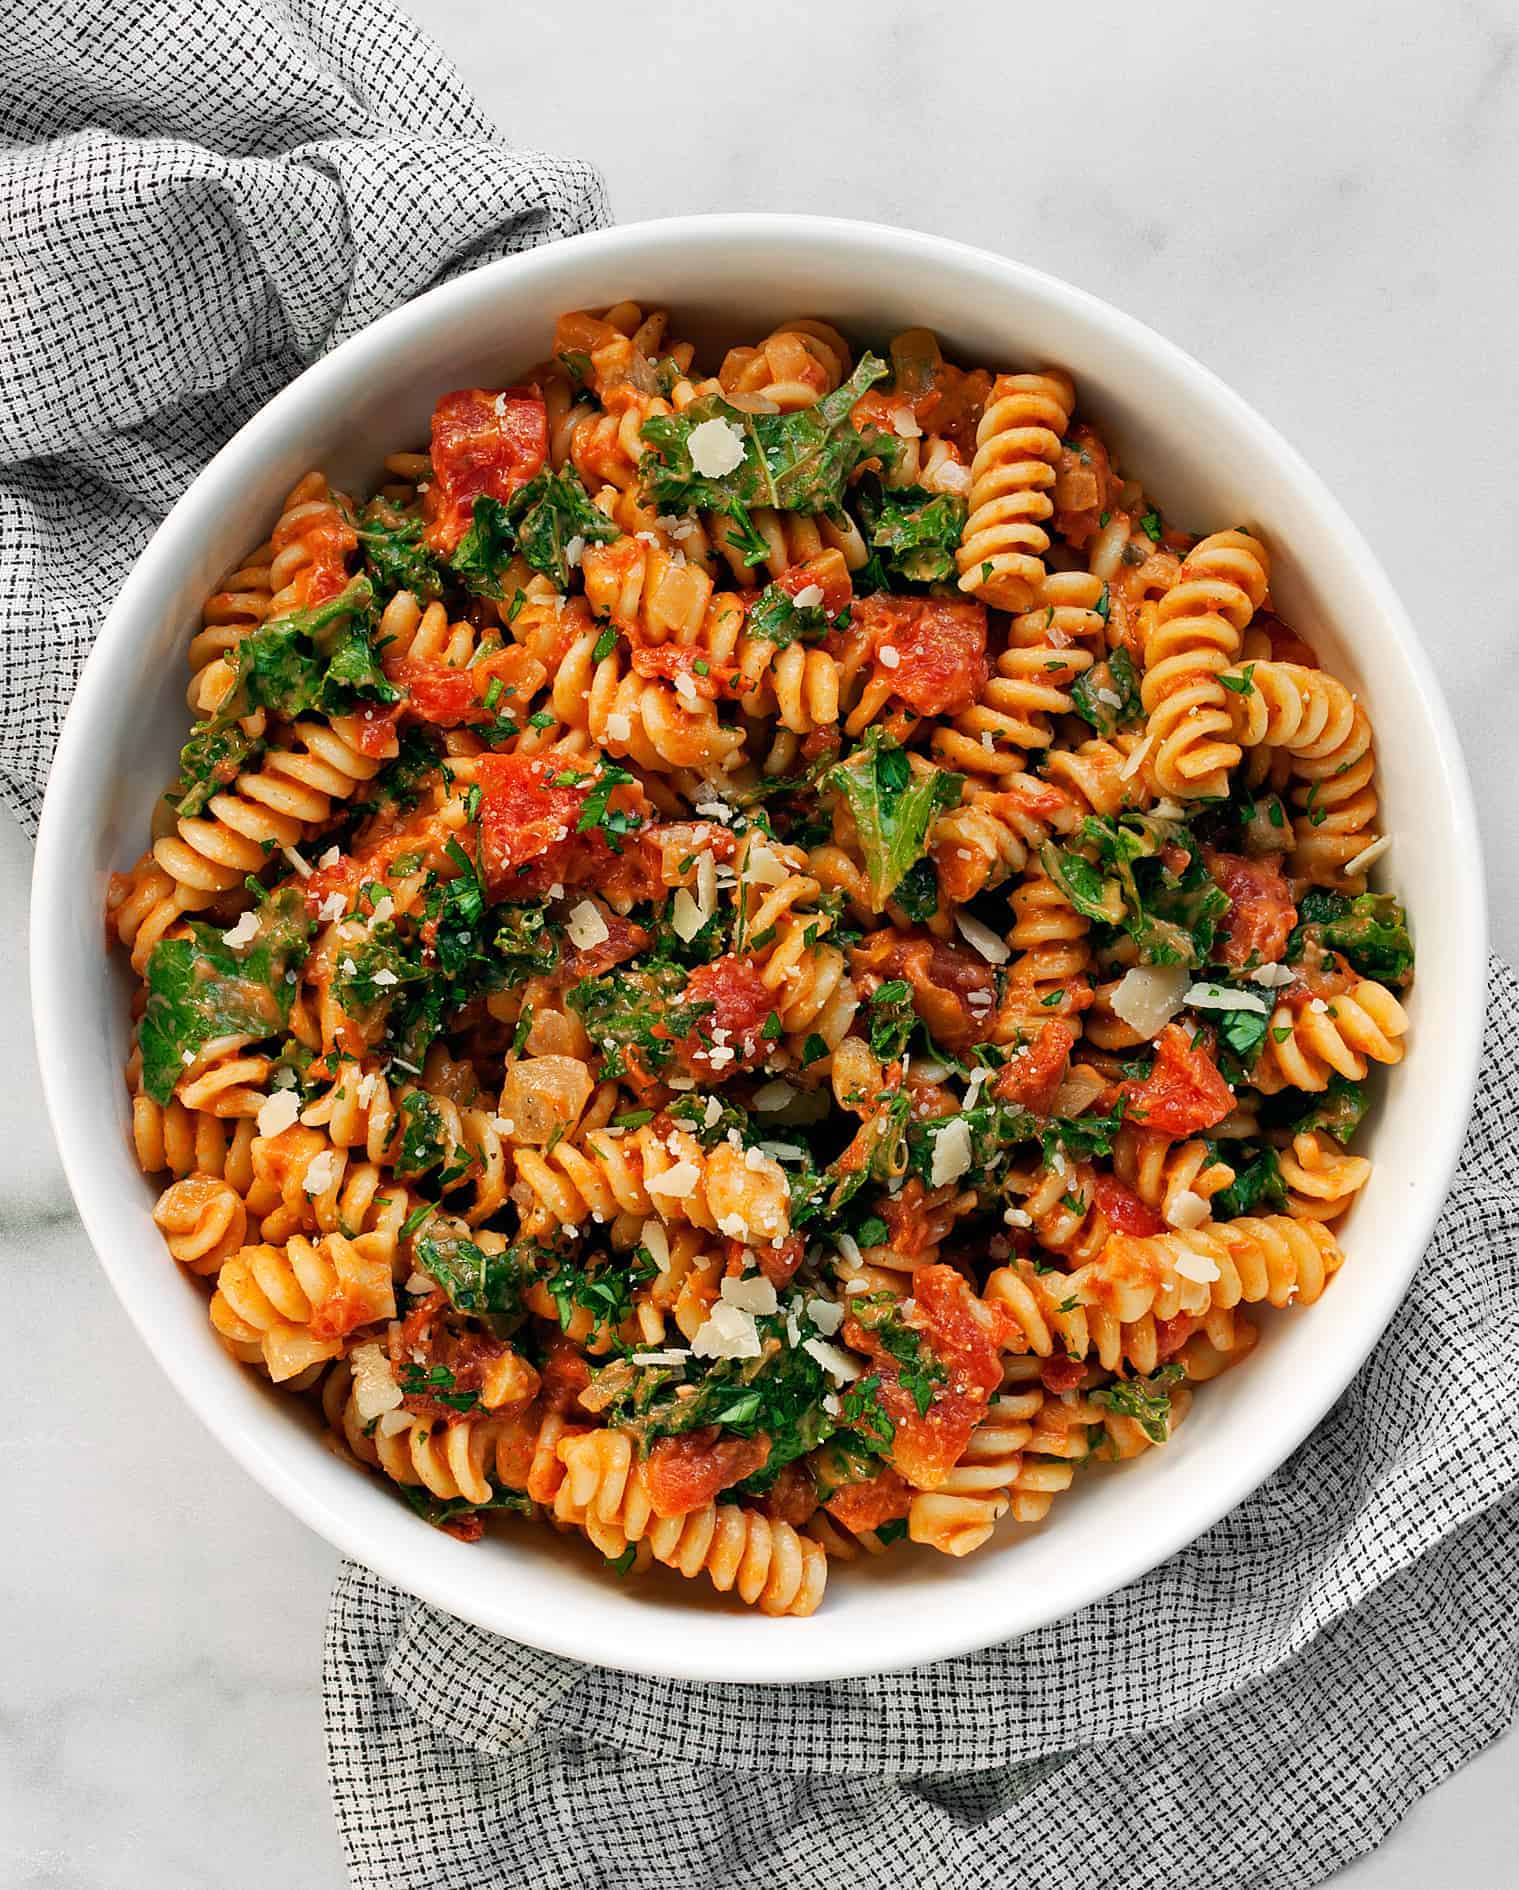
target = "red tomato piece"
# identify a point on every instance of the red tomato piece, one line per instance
(328, 542)
(940, 649)
(564, 1374)
(1123, 1210)
(861, 1507)
(683, 1473)
(829, 573)
(1032, 1075)
(1061, 1374)
(666, 661)
(1183, 1093)
(741, 1001)
(525, 812)
(964, 1335)
(484, 445)
(953, 991)
(624, 940)
(1261, 913)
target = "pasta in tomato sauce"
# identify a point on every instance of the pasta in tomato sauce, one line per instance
(755, 965)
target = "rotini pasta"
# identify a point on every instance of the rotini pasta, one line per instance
(755, 965)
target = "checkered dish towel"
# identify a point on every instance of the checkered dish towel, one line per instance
(197, 198)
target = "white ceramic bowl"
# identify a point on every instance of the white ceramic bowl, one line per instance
(1210, 461)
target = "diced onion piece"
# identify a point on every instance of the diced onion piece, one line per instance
(771, 1097)
(1147, 997)
(375, 1390)
(542, 1096)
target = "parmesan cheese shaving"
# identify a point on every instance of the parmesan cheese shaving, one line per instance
(1199, 1267)
(772, 1096)
(243, 933)
(952, 1152)
(809, 597)
(716, 448)
(1136, 760)
(728, 1332)
(301, 866)
(753, 1294)
(1186, 1210)
(983, 939)
(279, 1112)
(679, 1179)
(657, 1358)
(1214, 997)
(825, 1315)
(890, 656)
(1147, 997)
(619, 726)
(835, 1361)
(321, 1172)
(1273, 977)
(1368, 855)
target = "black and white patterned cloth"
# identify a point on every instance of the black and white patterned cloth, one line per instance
(197, 197)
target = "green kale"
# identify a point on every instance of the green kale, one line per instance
(475, 1281)
(524, 943)
(1241, 1031)
(486, 549)
(315, 659)
(395, 556)
(1107, 695)
(201, 988)
(542, 519)
(601, 1284)
(917, 893)
(1257, 1180)
(1142, 1399)
(424, 1141)
(892, 1019)
(596, 811)
(549, 514)
(796, 462)
(1373, 935)
(401, 783)
(919, 1369)
(440, 1513)
(1337, 1110)
(691, 1111)
(916, 532)
(1122, 872)
(775, 617)
(636, 1014)
(893, 810)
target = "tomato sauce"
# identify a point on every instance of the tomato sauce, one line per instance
(861, 1507)
(1122, 1208)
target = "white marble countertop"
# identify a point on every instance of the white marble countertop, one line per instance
(1316, 200)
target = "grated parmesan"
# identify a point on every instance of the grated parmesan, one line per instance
(1186, 1210)
(1147, 997)
(279, 1112)
(586, 927)
(1214, 997)
(753, 1294)
(952, 1152)
(243, 933)
(809, 597)
(322, 1172)
(1199, 1267)
(833, 1359)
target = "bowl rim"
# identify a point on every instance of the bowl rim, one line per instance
(746, 1653)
